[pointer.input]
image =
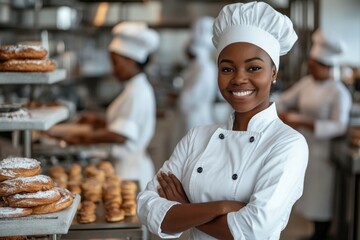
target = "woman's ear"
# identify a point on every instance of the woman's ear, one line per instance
(274, 73)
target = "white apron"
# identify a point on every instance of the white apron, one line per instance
(133, 115)
(328, 104)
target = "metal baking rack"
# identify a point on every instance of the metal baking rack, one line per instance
(40, 119)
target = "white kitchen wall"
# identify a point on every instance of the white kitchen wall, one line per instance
(343, 17)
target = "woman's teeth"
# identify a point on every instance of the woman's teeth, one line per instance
(242, 93)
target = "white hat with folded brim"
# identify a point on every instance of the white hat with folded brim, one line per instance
(327, 47)
(256, 23)
(134, 40)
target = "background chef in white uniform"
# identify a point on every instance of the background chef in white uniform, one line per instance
(239, 179)
(198, 94)
(322, 107)
(130, 118)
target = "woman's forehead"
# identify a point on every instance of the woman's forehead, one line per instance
(243, 50)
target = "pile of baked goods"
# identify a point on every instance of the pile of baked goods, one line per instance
(24, 191)
(25, 58)
(102, 191)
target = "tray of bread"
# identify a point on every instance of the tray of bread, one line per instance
(32, 203)
(107, 200)
(15, 60)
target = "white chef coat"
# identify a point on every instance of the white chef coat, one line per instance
(263, 167)
(328, 103)
(199, 92)
(133, 115)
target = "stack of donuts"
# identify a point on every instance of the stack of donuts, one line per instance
(24, 191)
(25, 58)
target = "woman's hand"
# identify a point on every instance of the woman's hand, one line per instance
(171, 188)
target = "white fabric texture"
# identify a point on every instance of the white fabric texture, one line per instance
(133, 115)
(327, 47)
(257, 23)
(270, 173)
(134, 40)
(327, 103)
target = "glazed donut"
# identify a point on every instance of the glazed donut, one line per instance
(27, 65)
(18, 167)
(33, 199)
(25, 184)
(10, 212)
(8, 52)
(65, 201)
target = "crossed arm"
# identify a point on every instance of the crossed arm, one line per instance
(208, 217)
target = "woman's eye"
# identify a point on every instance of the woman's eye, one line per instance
(226, 70)
(254, 68)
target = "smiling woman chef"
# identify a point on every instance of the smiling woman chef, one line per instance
(240, 179)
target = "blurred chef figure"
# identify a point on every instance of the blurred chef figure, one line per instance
(200, 89)
(323, 108)
(130, 118)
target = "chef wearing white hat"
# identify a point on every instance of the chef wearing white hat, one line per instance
(323, 109)
(199, 91)
(130, 118)
(239, 179)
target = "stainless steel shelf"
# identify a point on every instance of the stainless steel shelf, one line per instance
(41, 119)
(32, 77)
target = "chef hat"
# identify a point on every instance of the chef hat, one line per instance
(326, 47)
(202, 31)
(256, 23)
(134, 40)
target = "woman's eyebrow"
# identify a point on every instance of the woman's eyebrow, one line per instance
(226, 61)
(253, 59)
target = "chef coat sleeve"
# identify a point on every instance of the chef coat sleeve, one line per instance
(279, 184)
(339, 119)
(151, 208)
(126, 122)
(288, 100)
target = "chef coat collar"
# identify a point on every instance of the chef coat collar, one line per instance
(260, 121)
(137, 78)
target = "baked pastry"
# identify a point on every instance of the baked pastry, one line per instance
(13, 238)
(27, 65)
(10, 212)
(20, 51)
(86, 214)
(18, 167)
(65, 201)
(115, 215)
(107, 167)
(33, 199)
(25, 184)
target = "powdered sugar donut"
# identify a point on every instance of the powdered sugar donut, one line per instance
(18, 167)
(20, 51)
(33, 199)
(10, 212)
(25, 184)
(27, 65)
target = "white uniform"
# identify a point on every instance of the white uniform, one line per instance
(328, 104)
(133, 114)
(263, 167)
(200, 90)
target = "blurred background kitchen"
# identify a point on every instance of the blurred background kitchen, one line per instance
(77, 34)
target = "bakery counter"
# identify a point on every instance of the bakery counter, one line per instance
(347, 193)
(129, 228)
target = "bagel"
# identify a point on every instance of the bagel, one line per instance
(65, 201)
(18, 167)
(25, 184)
(8, 52)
